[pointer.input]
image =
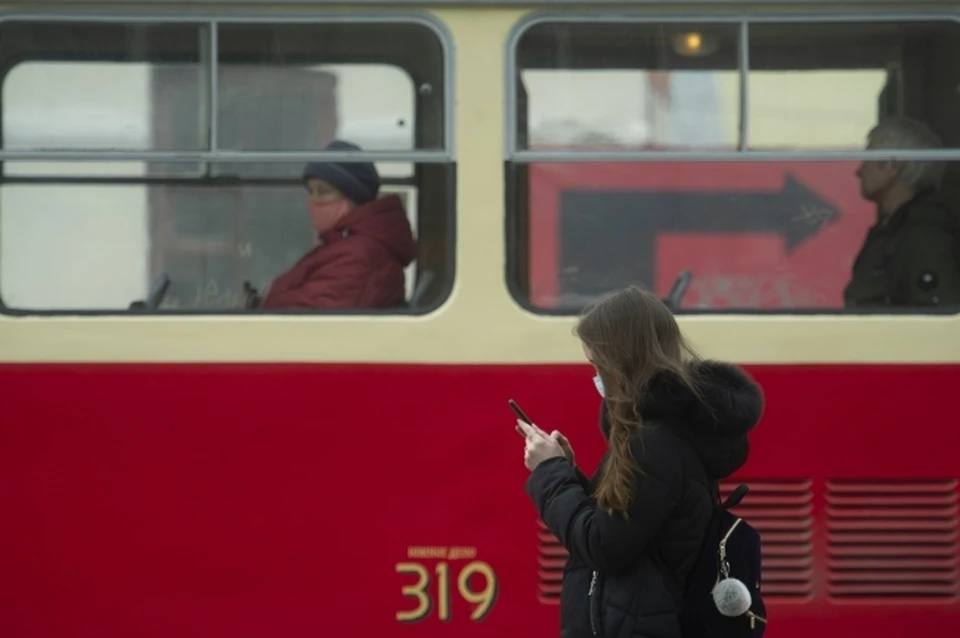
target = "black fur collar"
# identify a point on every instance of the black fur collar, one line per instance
(716, 424)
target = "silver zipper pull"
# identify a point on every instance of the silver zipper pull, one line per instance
(593, 584)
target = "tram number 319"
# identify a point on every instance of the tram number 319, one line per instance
(482, 598)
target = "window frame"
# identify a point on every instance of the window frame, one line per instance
(208, 153)
(514, 155)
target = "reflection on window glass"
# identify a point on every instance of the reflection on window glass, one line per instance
(35, 115)
(813, 109)
(821, 85)
(296, 83)
(132, 106)
(387, 125)
(669, 86)
(111, 106)
(73, 247)
(101, 104)
(298, 109)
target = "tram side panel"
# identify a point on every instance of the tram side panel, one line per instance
(243, 500)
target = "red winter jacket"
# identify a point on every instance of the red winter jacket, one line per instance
(358, 264)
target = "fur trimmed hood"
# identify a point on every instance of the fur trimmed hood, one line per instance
(715, 424)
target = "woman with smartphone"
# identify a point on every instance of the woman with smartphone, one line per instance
(674, 425)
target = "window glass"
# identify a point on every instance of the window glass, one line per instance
(825, 96)
(112, 106)
(134, 106)
(368, 122)
(628, 85)
(783, 234)
(302, 83)
(99, 247)
(93, 89)
(76, 247)
(88, 234)
(776, 235)
(788, 110)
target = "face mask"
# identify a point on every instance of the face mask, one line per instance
(325, 215)
(597, 381)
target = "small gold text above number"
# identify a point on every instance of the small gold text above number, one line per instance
(419, 590)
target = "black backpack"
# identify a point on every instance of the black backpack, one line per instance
(728, 566)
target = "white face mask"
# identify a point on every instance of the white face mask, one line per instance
(597, 381)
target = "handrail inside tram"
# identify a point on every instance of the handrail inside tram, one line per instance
(679, 288)
(426, 278)
(158, 290)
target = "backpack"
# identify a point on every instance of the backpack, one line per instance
(722, 597)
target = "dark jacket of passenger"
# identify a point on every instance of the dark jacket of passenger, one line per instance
(357, 264)
(641, 562)
(911, 259)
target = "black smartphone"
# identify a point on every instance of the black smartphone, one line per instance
(520, 413)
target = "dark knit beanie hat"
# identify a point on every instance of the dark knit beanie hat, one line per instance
(358, 181)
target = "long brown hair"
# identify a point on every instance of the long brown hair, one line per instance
(630, 336)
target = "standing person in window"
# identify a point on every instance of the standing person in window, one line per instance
(364, 242)
(911, 255)
(674, 425)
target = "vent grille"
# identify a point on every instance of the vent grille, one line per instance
(551, 557)
(782, 511)
(892, 540)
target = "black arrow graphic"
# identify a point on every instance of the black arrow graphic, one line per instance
(608, 238)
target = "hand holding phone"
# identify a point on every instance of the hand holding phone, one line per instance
(559, 438)
(524, 419)
(520, 413)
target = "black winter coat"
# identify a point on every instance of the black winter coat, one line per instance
(625, 576)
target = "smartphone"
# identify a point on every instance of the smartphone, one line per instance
(520, 413)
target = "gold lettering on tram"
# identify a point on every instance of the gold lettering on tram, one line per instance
(431, 590)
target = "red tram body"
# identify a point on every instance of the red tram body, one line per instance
(243, 500)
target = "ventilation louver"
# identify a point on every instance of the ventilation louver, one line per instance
(551, 557)
(892, 540)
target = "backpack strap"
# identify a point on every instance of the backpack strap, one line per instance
(735, 497)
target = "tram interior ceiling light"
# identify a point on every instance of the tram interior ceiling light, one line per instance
(695, 44)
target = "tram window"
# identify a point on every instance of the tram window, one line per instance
(820, 86)
(210, 226)
(82, 74)
(581, 93)
(778, 235)
(208, 240)
(380, 112)
(788, 109)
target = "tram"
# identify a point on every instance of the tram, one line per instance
(172, 463)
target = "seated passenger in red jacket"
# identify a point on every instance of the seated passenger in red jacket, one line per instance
(363, 242)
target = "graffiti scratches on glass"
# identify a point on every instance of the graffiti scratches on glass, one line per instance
(753, 291)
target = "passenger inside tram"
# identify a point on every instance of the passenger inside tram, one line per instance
(911, 255)
(363, 243)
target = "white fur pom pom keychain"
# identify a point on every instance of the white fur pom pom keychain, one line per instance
(732, 597)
